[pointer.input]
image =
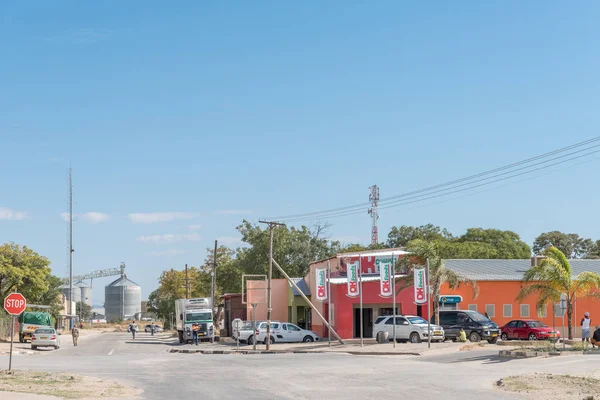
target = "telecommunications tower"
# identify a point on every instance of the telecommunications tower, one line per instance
(374, 199)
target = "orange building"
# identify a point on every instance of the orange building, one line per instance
(499, 283)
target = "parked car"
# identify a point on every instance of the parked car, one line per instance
(148, 328)
(246, 333)
(408, 327)
(285, 333)
(528, 329)
(477, 326)
(45, 337)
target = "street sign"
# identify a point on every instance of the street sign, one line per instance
(563, 302)
(237, 323)
(15, 303)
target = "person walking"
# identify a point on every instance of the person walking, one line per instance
(132, 328)
(195, 329)
(152, 329)
(75, 334)
(585, 327)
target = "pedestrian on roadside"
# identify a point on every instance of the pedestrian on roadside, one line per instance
(75, 334)
(596, 337)
(195, 329)
(152, 329)
(132, 329)
(585, 327)
(462, 337)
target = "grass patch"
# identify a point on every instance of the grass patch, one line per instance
(550, 386)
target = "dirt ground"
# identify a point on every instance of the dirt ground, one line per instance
(65, 386)
(549, 386)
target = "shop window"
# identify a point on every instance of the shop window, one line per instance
(507, 310)
(524, 310)
(542, 311)
(490, 310)
(473, 307)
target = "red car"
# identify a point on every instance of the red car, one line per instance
(527, 329)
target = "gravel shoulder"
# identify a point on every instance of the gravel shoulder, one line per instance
(65, 386)
(551, 386)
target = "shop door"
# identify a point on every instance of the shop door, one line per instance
(367, 322)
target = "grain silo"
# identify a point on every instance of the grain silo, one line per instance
(86, 292)
(75, 293)
(122, 300)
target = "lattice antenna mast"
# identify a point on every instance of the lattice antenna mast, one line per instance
(374, 199)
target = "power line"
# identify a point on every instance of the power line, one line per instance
(468, 178)
(429, 196)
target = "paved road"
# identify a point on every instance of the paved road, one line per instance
(146, 364)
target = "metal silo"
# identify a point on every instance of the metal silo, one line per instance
(75, 294)
(122, 300)
(86, 292)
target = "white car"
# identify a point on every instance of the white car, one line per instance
(45, 337)
(408, 327)
(285, 333)
(246, 333)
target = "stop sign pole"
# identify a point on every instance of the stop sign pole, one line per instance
(14, 304)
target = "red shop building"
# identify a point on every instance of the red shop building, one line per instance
(346, 310)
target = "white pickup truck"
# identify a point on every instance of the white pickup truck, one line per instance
(285, 333)
(246, 333)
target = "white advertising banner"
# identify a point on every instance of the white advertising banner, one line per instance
(385, 279)
(420, 286)
(321, 279)
(352, 276)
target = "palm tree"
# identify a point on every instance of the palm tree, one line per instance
(554, 277)
(421, 251)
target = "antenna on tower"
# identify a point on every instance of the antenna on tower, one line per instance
(374, 199)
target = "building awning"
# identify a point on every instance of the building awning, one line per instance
(369, 278)
(301, 283)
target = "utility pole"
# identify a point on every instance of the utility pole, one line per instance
(270, 275)
(187, 286)
(374, 199)
(214, 279)
(70, 245)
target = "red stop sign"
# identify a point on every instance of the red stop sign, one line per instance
(15, 303)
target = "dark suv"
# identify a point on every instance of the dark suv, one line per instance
(477, 326)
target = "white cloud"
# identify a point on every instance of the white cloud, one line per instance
(229, 240)
(170, 252)
(234, 212)
(169, 238)
(194, 227)
(93, 217)
(151, 218)
(8, 214)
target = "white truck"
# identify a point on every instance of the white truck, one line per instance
(194, 311)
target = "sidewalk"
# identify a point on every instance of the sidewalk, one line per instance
(25, 348)
(370, 347)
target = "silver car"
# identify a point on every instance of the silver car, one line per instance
(45, 337)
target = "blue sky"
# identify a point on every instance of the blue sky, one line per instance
(210, 113)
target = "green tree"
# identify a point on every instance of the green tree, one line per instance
(51, 297)
(401, 236)
(293, 248)
(552, 277)
(594, 251)
(83, 310)
(507, 244)
(421, 251)
(570, 244)
(24, 270)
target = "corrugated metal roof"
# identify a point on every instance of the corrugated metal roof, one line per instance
(301, 283)
(509, 270)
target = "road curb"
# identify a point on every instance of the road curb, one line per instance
(244, 352)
